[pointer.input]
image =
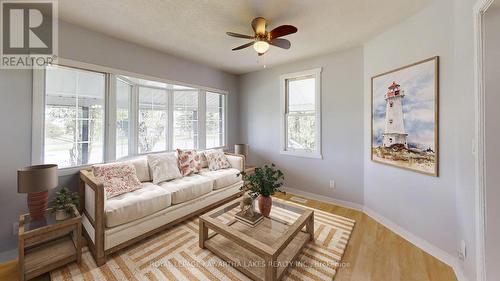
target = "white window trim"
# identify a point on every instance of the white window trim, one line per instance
(316, 73)
(225, 98)
(109, 153)
(38, 117)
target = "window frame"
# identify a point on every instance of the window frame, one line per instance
(38, 118)
(284, 149)
(109, 150)
(200, 142)
(113, 118)
(168, 136)
(224, 127)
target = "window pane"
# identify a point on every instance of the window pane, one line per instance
(215, 120)
(123, 97)
(301, 94)
(301, 130)
(74, 117)
(152, 127)
(185, 119)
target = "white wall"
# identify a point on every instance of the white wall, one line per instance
(86, 46)
(437, 210)
(422, 204)
(463, 34)
(492, 79)
(342, 125)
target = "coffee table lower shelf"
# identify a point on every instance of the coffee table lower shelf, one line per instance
(251, 264)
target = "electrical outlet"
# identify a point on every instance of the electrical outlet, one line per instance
(15, 228)
(462, 251)
(332, 184)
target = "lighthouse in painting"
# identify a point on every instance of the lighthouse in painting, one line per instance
(394, 132)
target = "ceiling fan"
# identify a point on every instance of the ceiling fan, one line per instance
(262, 38)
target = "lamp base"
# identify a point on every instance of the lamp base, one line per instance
(37, 204)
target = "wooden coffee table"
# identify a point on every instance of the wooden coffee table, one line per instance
(264, 251)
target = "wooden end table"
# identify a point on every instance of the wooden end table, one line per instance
(263, 251)
(47, 244)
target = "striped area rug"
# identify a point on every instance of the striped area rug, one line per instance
(175, 255)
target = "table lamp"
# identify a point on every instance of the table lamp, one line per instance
(242, 149)
(36, 181)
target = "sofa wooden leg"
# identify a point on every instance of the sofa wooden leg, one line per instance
(100, 261)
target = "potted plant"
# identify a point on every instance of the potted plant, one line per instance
(261, 184)
(63, 203)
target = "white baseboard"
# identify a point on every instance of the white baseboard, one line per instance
(423, 244)
(327, 199)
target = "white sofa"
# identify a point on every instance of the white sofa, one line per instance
(112, 224)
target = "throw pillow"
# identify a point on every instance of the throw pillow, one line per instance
(163, 167)
(217, 160)
(189, 161)
(117, 178)
(142, 169)
(203, 159)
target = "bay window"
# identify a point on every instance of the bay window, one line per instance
(86, 114)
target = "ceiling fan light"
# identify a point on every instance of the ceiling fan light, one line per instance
(261, 46)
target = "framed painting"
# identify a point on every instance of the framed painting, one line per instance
(405, 103)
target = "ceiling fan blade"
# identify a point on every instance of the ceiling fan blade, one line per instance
(240, 35)
(243, 46)
(282, 43)
(282, 30)
(259, 25)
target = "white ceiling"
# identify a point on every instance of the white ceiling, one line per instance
(195, 29)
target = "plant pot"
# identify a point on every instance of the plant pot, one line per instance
(265, 203)
(61, 215)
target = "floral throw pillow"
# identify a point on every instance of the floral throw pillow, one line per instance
(217, 160)
(189, 162)
(117, 178)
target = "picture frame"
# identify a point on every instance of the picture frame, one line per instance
(405, 117)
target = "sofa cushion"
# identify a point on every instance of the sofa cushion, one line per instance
(188, 188)
(136, 204)
(163, 167)
(222, 178)
(141, 168)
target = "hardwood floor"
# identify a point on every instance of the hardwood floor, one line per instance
(375, 253)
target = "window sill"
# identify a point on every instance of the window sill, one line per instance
(72, 170)
(218, 147)
(313, 155)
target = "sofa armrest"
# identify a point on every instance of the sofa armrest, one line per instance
(91, 186)
(237, 161)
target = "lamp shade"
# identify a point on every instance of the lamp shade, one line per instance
(37, 178)
(241, 149)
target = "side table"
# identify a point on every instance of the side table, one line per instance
(47, 244)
